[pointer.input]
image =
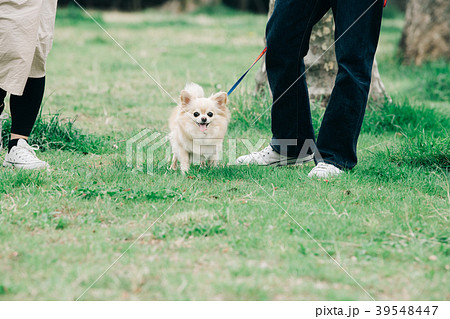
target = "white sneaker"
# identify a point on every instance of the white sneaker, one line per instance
(268, 157)
(23, 156)
(324, 170)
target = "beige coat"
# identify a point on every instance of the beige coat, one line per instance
(26, 36)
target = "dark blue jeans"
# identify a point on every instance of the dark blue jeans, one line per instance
(288, 33)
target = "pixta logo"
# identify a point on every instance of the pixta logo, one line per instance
(142, 150)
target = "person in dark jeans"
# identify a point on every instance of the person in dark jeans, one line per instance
(357, 24)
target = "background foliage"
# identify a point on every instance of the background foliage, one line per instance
(251, 5)
(260, 6)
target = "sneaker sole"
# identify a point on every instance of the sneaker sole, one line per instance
(25, 166)
(294, 161)
(288, 162)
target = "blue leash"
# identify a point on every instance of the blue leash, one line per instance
(243, 76)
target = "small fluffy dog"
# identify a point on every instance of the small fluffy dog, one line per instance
(197, 127)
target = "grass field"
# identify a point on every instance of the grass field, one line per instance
(225, 233)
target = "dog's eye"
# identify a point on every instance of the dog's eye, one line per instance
(196, 114)
(210, 114)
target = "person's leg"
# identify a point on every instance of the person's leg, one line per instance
(25, 109)
(288, 33)
(2, 117)
(355, 50)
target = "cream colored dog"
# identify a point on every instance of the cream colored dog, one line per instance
(197, 127)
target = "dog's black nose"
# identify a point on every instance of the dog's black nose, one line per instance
(203, 119)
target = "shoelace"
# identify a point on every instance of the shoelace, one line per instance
(28, 152)
(260, 153)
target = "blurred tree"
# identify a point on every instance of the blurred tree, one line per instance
(113, 4)
(426, 35)
(321, 64)
(182, 5)
(261, 75)
(400, 4)
(248, 5)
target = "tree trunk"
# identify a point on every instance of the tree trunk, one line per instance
(321, 65)
(400, 4)
(261, 75)
(426, 35)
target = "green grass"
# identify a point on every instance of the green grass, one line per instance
(54, 132)
(219, 234)
(424, 150)
(405, 118)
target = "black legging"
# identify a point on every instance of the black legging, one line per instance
(2, 100)
(25, 108)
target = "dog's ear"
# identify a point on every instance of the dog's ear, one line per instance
(185, 98)
(221, 98)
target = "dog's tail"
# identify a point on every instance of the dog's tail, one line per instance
(195, 90)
